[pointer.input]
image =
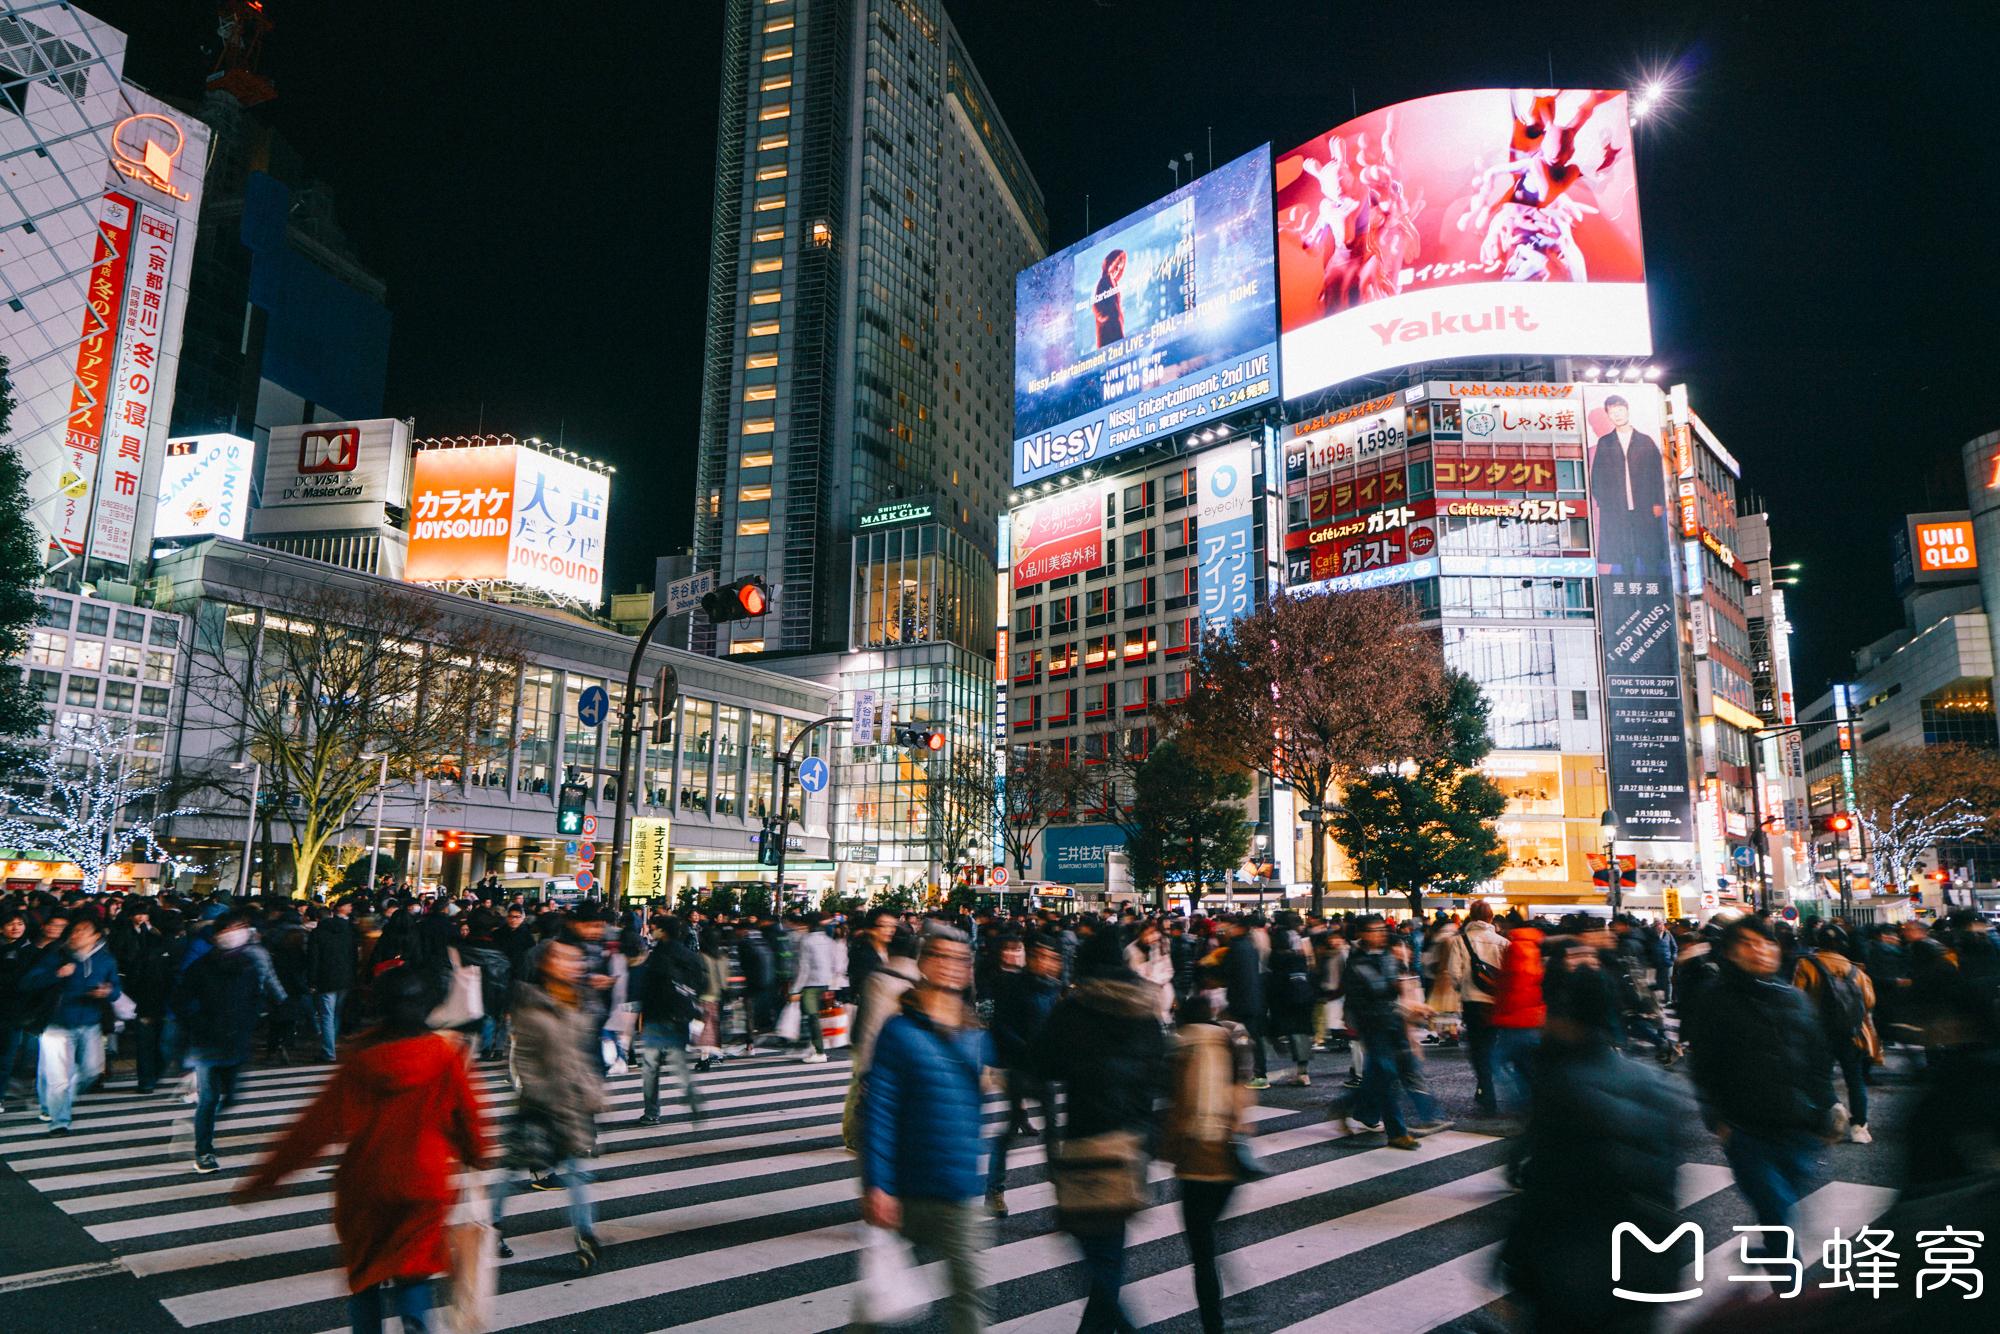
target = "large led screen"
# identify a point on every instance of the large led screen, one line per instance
(1157, 322)
(1489, 222)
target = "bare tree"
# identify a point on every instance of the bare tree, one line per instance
(334, 677)
(962, 805)
(85, 799)
(1314, 690)
(1043, 786)
(1909, 829)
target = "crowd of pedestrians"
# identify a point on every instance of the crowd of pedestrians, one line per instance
(1111, 1041)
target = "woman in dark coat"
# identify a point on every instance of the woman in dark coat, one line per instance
(1291, 991)
(1103, 1041)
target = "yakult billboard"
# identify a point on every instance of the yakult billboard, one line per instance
(1486, 222)
(510, 514)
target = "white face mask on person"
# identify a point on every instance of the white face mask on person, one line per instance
(233, 939)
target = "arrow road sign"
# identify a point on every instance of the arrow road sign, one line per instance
(812, 774)
(592, 706)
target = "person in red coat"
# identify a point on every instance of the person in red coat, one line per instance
(1518, 1013)
(402, 1104)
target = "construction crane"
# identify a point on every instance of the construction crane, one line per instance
(241, 24)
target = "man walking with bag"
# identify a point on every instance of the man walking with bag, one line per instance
(920, 1125)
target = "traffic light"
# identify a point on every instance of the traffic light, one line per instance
(1837, 823)
(569, 808)
(918, 737)
(451, 841)
(736, 602)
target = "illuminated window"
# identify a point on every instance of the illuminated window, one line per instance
(772, 173)
(773, 85)
(776, 233)
(766, 205)
(764, 329)
(757, 460)
(771, 295)
(758, 393)
(767, 265)
(822, 234)
(771, 141)
(777, 53)
(761, 426)
(758, 361)
(753, 527)
(777, 25)
(775, 113)
(746, 646)
(754, 493)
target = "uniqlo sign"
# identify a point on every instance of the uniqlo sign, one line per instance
(329, 451)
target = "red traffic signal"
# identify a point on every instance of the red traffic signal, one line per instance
(920, 738)
(1837, 823)
(451, 841)
(739, 601)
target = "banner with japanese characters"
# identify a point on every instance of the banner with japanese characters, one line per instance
(1061, 535)
(1645, 709)
(134, 385)
(510, 514)
(96, 359)
(1227, 527)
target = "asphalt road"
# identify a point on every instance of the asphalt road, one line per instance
(749, 1226)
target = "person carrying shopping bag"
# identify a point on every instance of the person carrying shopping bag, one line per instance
(403, 1106)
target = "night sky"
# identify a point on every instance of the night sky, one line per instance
(1820, 202)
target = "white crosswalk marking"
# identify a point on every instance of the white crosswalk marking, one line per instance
(763, 1190)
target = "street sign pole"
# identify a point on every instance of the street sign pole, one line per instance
(669, 681)
(784, 763)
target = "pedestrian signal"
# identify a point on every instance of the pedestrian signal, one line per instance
(569, 808)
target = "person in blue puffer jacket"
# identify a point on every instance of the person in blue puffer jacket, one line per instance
(85, 977)
(921, 1169)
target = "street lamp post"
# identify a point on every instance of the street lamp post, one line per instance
(381, 783)
(256, 768)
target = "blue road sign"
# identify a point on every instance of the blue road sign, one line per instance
(569, 848)
(592, 706)
(812, 774)
(1746, 856)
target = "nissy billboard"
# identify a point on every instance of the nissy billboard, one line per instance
(1161, 320)
(1478, 223)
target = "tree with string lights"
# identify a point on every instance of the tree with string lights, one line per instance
(87, 801)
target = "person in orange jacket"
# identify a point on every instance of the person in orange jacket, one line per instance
(1518, 1014)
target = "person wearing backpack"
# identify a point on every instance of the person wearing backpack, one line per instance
(1476, 955)
(1211, 1096)
(1842, 997)
(669, 1000)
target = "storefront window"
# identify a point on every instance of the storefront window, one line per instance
(763, 736)
(728, 759)
(1534, 850)
(698, 733)
(1532, 784)
(538, 701)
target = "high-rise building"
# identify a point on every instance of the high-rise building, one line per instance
(104, 186)
(871, 211)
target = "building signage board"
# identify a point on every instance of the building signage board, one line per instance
(1644, 706)
(1160, 321)
(1075, 855)
(896, 513)
(510, 514)
(652, 842)
(96, 357)
(1063, 534)
(1227, 526)
(204, 487)
(1478, 223)
(135, 396)
(325, 464)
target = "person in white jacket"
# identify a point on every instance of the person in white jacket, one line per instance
(822, 968)
(1475, 964)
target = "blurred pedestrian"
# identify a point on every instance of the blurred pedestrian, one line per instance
(669, 1000)
(554, 1129)
(216, 1001)
(1024, 998)
(1841, 997)
(920, 1124)
(404, 1108)
(1760, 1065)
(1211, 1096)
(1242, 971)
(1373, 982)
(82, 977)
(1290, 995)
(333, 950)
(1104, 1045)
(1517, 1016)
(18, 954)
(1476, 957)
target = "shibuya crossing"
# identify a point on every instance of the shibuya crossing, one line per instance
(1297, 743)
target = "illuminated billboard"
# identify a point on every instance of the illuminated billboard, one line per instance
(1164, 319)
(508, 514)
(1061, 535)
(1935, 549)
(1467, 224)
(204, 487)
